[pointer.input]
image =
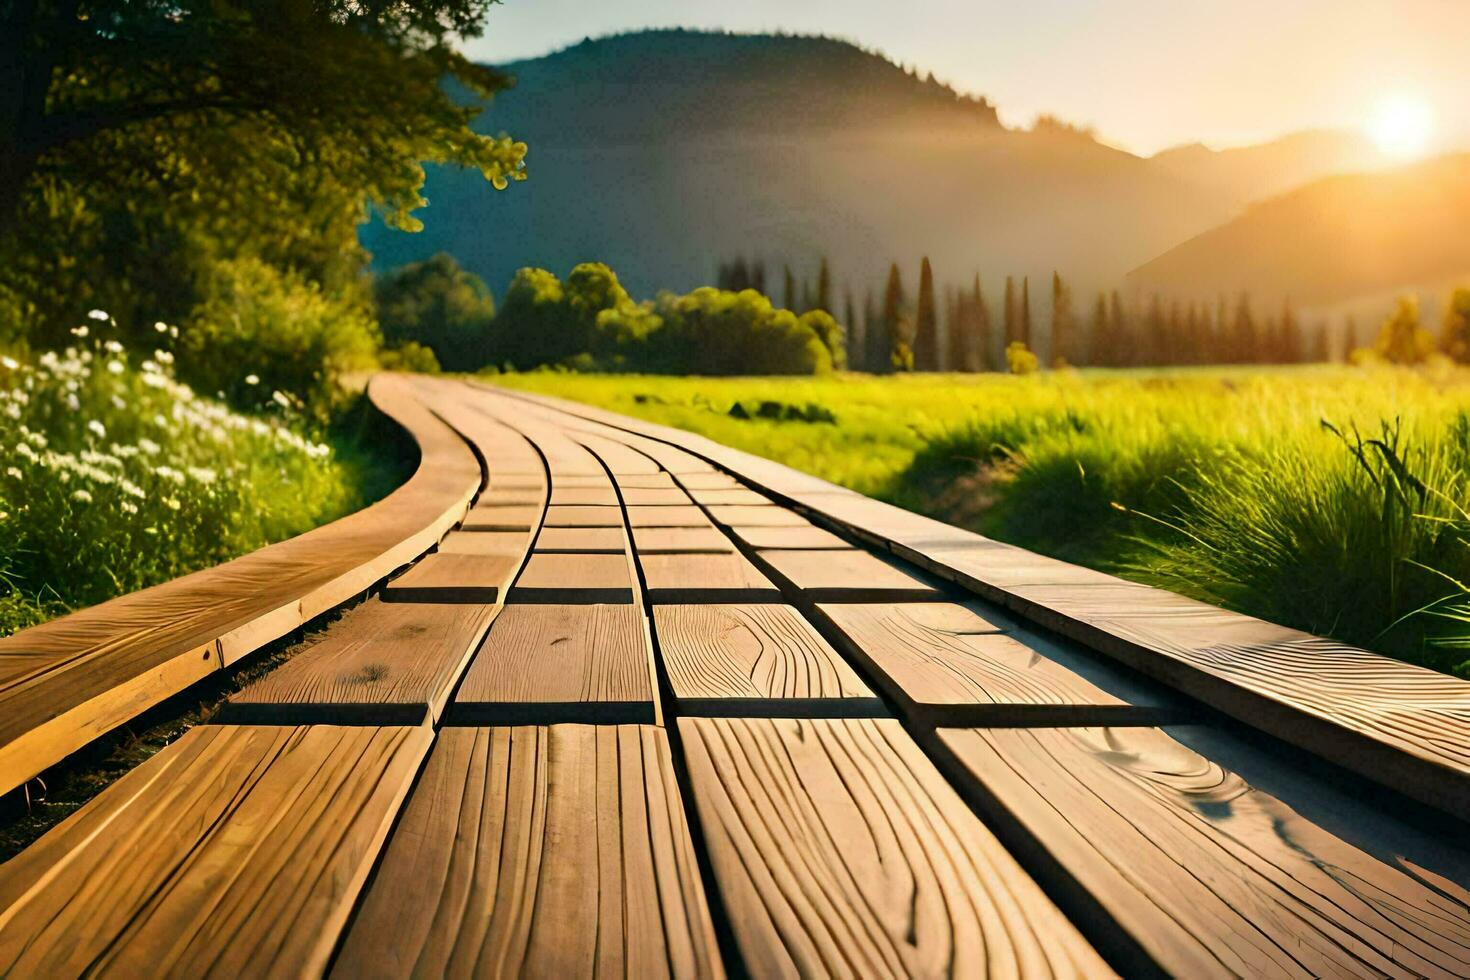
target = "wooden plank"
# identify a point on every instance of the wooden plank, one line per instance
(617, 457)
(556, 851)
(645, 481)
(707, 481)
(730, 495)
(687, 516)
(235, 851)
(656, 540)
(846, 576)
(754, 660)
(512, 497)
(944, 664)
(1206, 875)
(573, 578)
(560, 663)
(454, 578)
(766, 515)
(584, 517)
(633, 496)
(604, 496)
(594, 481)
(840, 851)
(508, 543)
(494, 517)
(382, 663)
(688, 578)
(583, 540)
(66, 682)
(805, 538)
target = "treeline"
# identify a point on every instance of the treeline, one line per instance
(962, 328)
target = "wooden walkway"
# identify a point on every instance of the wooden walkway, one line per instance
(655, 707)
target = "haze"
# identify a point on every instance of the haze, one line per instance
(1147, 74)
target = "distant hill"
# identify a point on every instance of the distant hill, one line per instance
(1331, 241)
(666, 153)
(1250, 173)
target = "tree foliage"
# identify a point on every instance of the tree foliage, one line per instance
(437, 305)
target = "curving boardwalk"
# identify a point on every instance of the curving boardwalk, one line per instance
(653, 707)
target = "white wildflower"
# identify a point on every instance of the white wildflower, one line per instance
(114, 367)
(81, 331)
(202, 474)
(9, 363)
(97, 428)
(252, 379)
(169, 473)
(112, 347)
(149, 446)
(161, 327)
(281, 399)
(118, 403)
(12, 411)
(128, 507)
(155, 380)
(73, 403)
(24, 448)
(14, 473)
(4, 514)
(163, 356)
(98, 315)
(172, 503)
(81, 496)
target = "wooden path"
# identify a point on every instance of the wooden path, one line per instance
(653, 707)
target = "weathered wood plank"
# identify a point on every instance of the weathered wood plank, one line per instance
(454, 578)
(748, 660)
(765, 515)
(70, 680)
(675, 516)
(656, 540)
(807, 538)
(705, 577)
(556, 663)
(539, 852)
(505, 543)
(584, 517)
(604, 496)
(382, 663)
(846, 576)
(945, 664)
(1206, 875)
(501, 517)
(236, 851)
(637, 497)
(558, 577)
(582, 540)
(840, 850)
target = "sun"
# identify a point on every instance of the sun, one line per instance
(1402, 126)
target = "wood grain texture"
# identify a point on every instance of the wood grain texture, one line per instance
(840, 851)
(381, 663)
(945, 664)
(556, 663)
(766, 515)
(604, 496)
(620, 459)
(634, 496)
(805, 538)
(729, 495)
(582, 540)
(584, 517)
(235, 851)
(1210, 877)
(689, 578)
(846, 576)
(502, 517)
(67, 681)
(750, 652)
(666, 540)
(686, 516)
(645, 481)
(512, 497)
(539, 852)
(454, 578)
(574, 578)
(708, 481)
(504, 543)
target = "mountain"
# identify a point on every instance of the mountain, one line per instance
(666, 153)
(1332, 241)
(1250, 173)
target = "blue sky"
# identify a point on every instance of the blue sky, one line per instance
(1147, 73)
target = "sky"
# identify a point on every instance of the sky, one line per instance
(1147, 74)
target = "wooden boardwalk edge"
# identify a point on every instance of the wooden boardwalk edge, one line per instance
(1411, 733)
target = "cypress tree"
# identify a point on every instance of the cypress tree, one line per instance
(926, 326)
(1012, 317)
(980, 342)
(1063, 326)
(758, 277)
(960, 332)
(871, 330)
(1244, 341)
(857, 342)
(824, 287)
(1099, 348)
(1156, 341)
(789, 298)
(893, 304)
(1026, 311)
(1122, 344)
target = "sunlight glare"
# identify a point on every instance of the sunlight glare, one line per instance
(1402, 126)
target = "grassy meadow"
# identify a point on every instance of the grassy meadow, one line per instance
(1333, 499)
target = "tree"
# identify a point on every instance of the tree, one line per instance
(1123, 345)
(1012, 315)
(1063, 325)
(1244, 337)
(892, 321)
(926, 322)
(1289, 342)
(788, 296)
(857, 339)
(872, 331)
(1401, 339)
(130, 128)
(439, 305)
(1026, 311)
(1102, 341)
(1454, 330)
(1156, 333)
(824, 288)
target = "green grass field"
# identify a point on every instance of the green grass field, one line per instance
(1332, 499)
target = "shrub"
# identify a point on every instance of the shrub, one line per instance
(440, 306)
(259, 331)
(1020, 360)
(712, 331)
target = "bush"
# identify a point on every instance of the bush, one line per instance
(411, 356)
(440, 306)
(717, 332)
(259, 331)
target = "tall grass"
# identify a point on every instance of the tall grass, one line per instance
(1223, 484)
(115, 476)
